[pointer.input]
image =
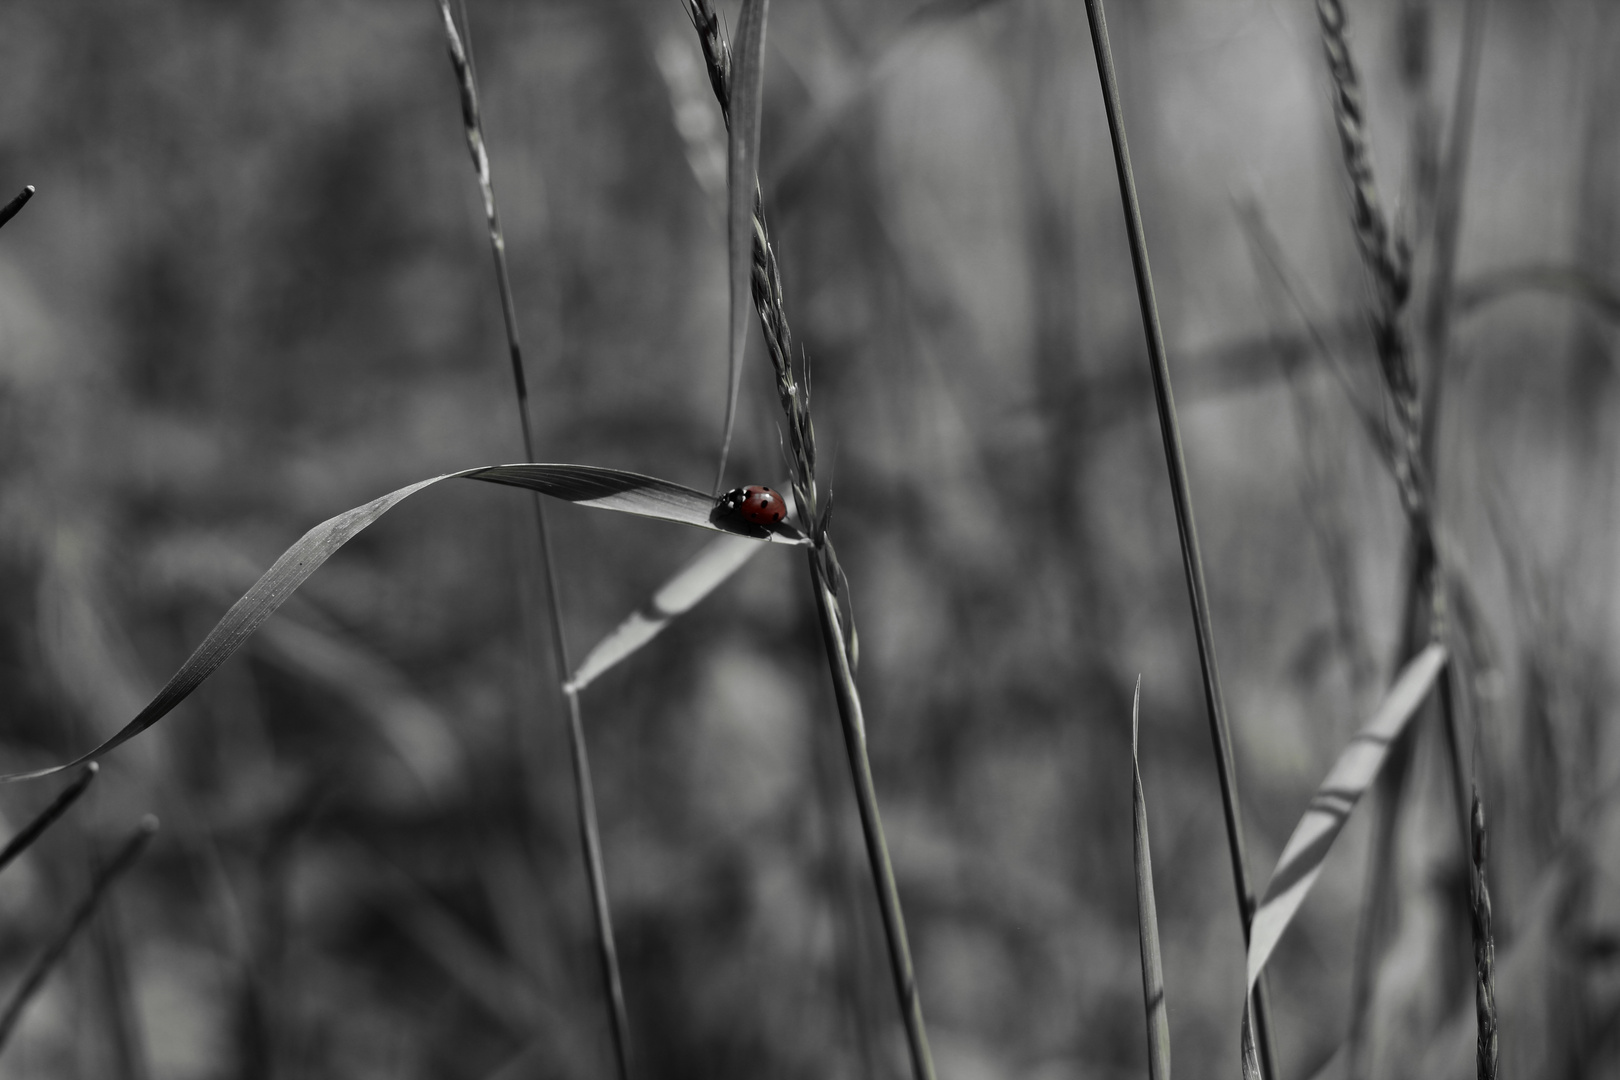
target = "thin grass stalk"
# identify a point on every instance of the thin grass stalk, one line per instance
(47, 960)
(122, 1021)
(585, 801)
(1437, 344)
(1186, 527)
(1479, 903)
(877, 849)
(48, 817)
(826, 575)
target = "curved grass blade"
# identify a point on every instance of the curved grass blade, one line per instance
(615, 489)
(742, 187)
(18, 201)
(1147, 917)
(1351, 776)
(606, 489)
(47, 817)
(710, 569)
(53, 953)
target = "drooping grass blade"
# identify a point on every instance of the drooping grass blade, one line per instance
(605, 489)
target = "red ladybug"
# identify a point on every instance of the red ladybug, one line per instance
(756, 509)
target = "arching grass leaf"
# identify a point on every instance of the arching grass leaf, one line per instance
(712, 567)
(606, 489)
(1147, 918)
(742, 187)
(1350, 777)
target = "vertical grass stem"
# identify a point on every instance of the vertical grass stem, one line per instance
(584, 791)
(1192, 560)
(877, 848)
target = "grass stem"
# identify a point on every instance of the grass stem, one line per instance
(877, 849)
(590, 831)
(1187, 530)
(47, 960)
(47, 817)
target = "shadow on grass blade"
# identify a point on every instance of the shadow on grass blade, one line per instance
(1147, 917)
(47, 817)
(1351, 776)
(605, 489)
(54, 952)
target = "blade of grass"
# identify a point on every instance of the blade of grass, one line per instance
(1186, 527)
(607, 489)
(1147, 916)
(742, 195)
(47, 960)
(17, 202)
(48, 817)
(711, 568)
(466, 77)
(1352, 774)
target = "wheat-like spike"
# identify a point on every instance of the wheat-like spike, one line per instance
(1387, 257)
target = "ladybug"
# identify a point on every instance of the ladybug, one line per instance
(753, 510)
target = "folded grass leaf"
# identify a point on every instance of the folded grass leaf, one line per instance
(1147, 918)
(1350, 777)
(711, 568)
(607, 489)
(742, 188)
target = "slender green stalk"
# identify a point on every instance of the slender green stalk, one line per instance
(826, 576)
(43, 965)
(877, 848)
(1187, 529)
(590, 831)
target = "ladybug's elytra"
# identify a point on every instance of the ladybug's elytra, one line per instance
(754, 505)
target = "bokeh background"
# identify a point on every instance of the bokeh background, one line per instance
(254, 290)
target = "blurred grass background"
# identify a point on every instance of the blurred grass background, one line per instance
(254, 290)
